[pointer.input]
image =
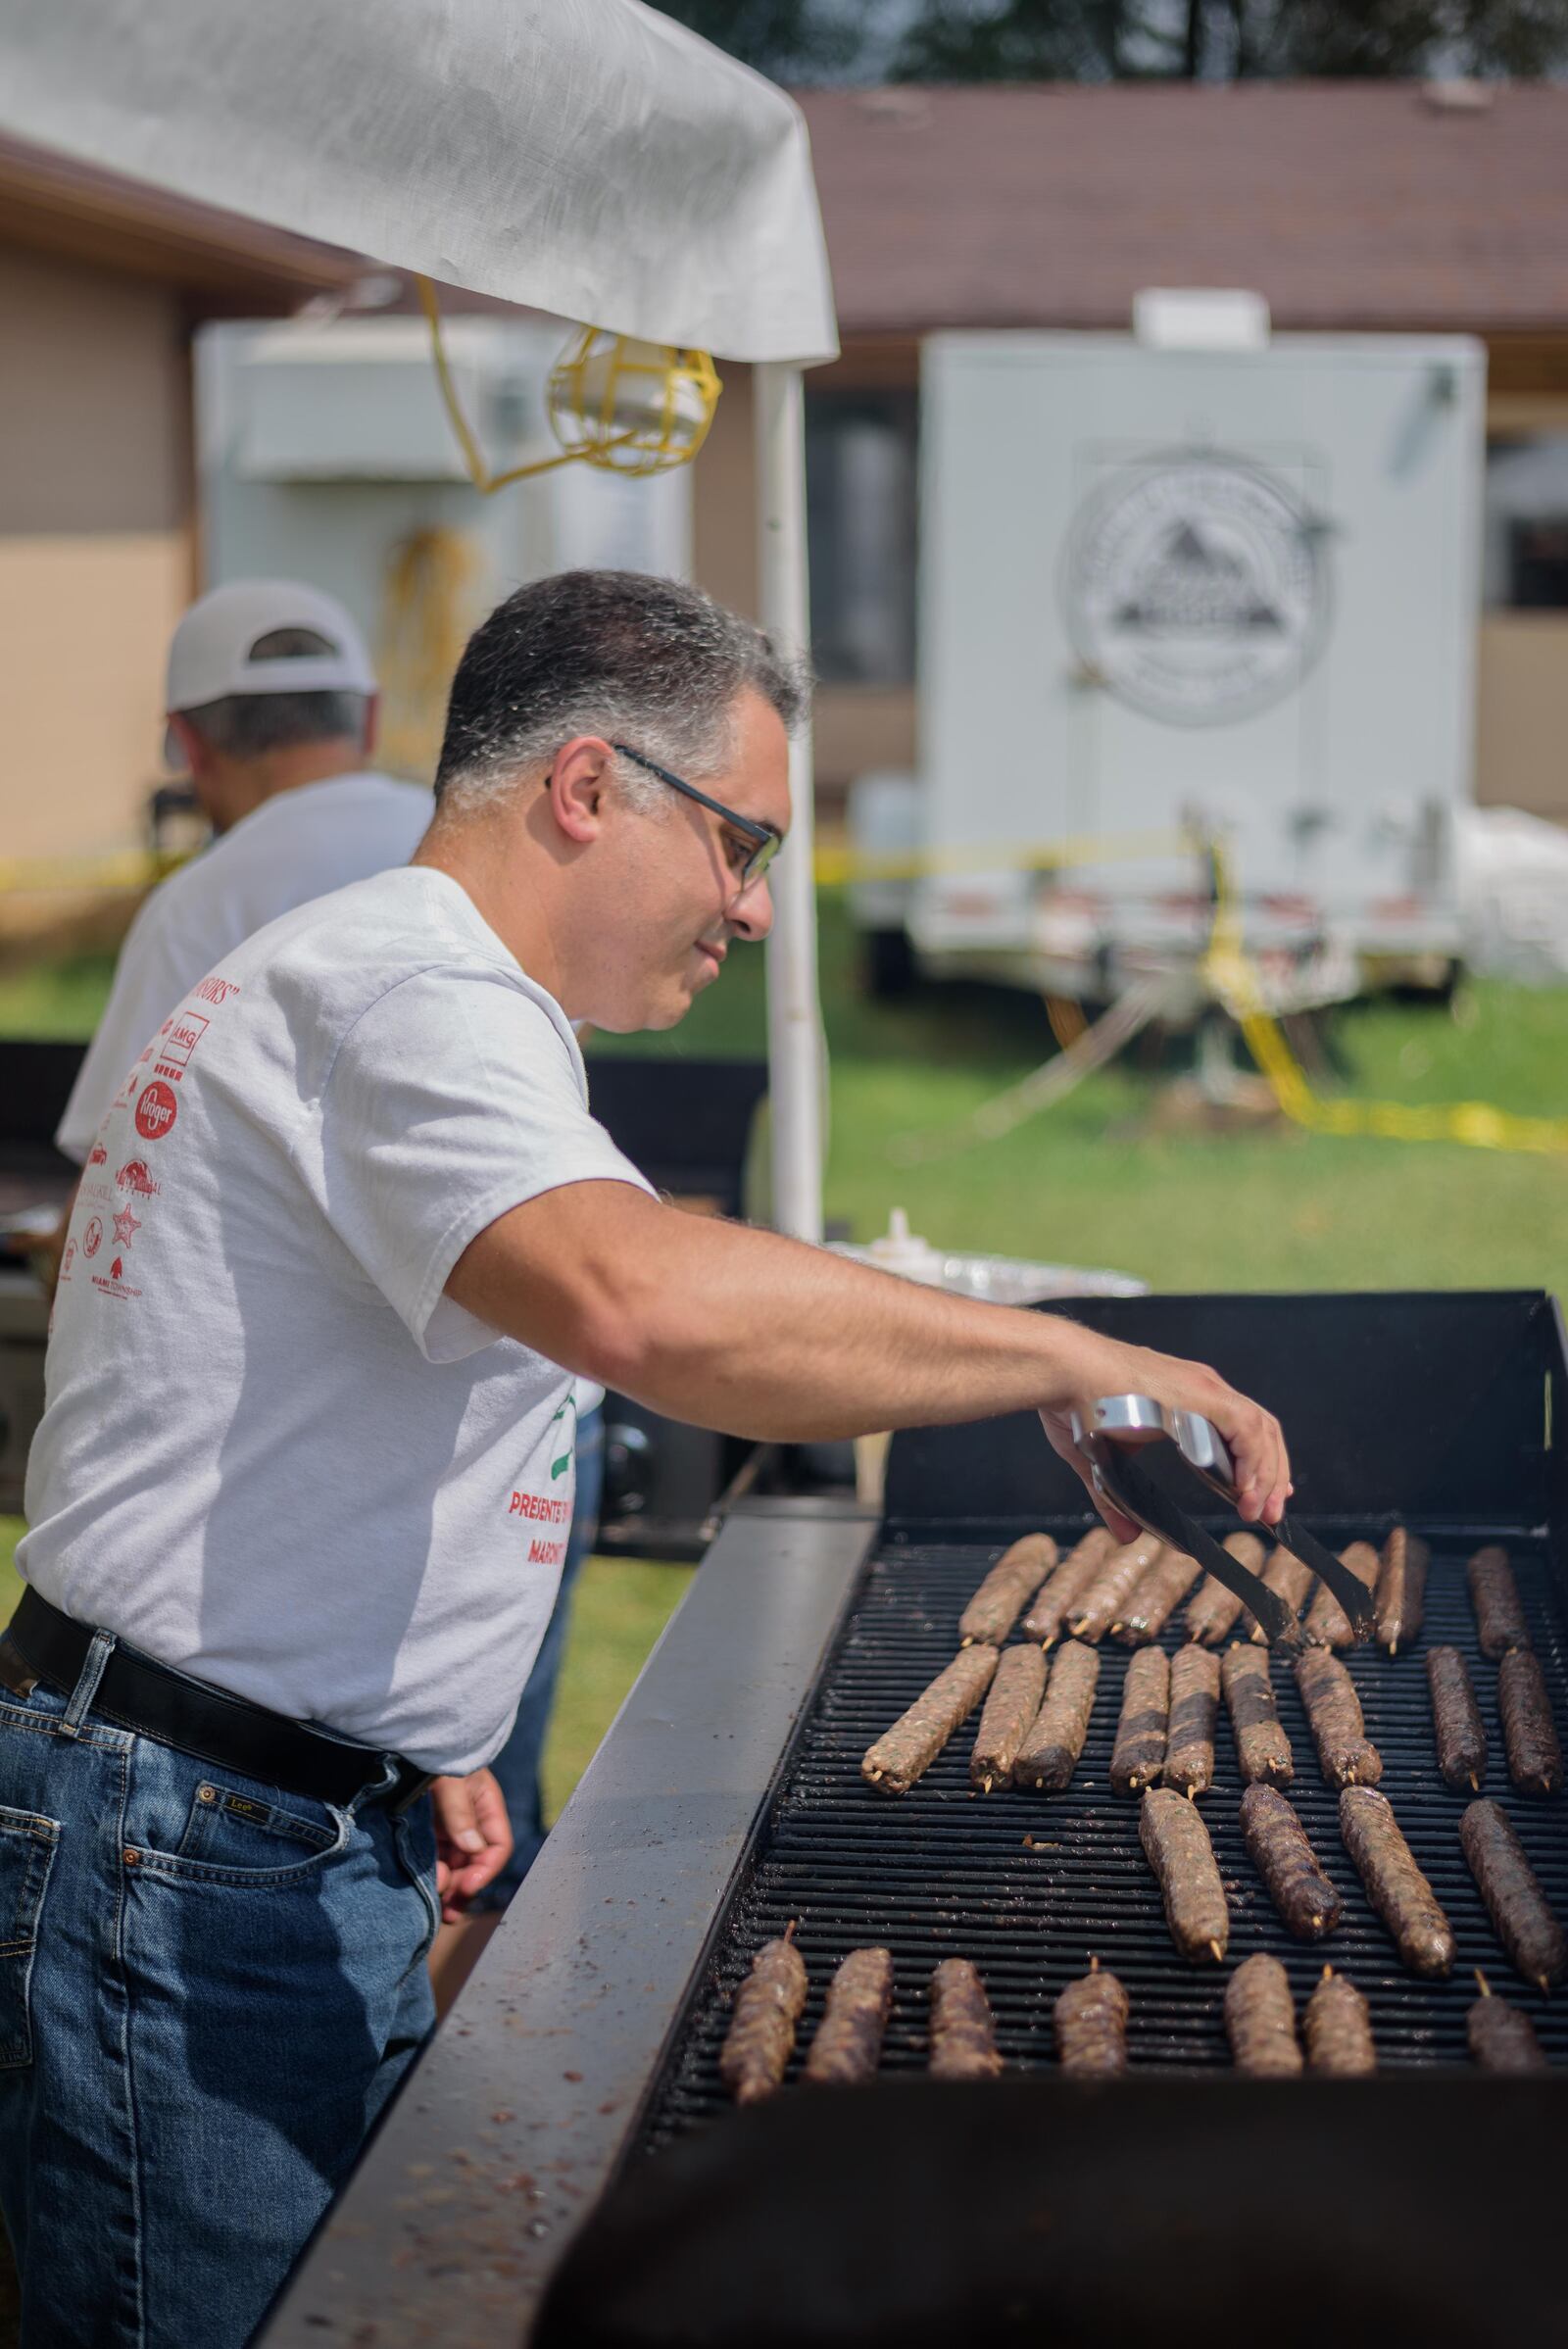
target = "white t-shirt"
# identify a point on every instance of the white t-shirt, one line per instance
(300, 844)
(274, 1452)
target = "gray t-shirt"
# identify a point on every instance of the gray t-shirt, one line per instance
(274, 1452)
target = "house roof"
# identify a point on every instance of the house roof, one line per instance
(1363, 204)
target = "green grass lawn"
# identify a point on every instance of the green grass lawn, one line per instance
(1087, 1183)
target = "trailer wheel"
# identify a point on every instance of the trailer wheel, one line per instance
(889, 967)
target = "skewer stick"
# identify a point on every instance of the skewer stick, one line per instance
(789, 1930)
(1315, 1922)
(1218, 1952)
(1079, 1625)
(1475, 1784)
(1545, 1986)
(1094, 1965)
(1486, 1987)
(985, 1786)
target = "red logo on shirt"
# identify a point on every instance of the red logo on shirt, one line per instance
(92, 1239)
(97, 1156)
(116, 1270)
(125, 1224)
(155, 1110)
(133, 1176)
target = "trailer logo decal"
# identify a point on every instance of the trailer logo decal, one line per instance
(1196, 588)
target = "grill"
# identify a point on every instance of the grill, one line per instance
(727, 1801)
(944, 1873)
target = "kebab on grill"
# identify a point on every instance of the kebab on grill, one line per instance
(1068, 1587)
(964, 2038)
(848, 2044)
(1494, 1596)
(1401, 1600)
(1176, 1844)
(1156, 1598)
(1327, 1623)
(1346, 1754)
(1050, 1753)
(1194, 1709)
(1139, 1748)
(905, 1751)
(1006, 1590)
(1113, 1586)
(1261, 2018)
(1529, 1733)
(1501, 2037)
(1281, 1852)
(1091, 2020)
(1010, 1708)
(1394, 1884)
(1512, 1889)
(761, 2029)
(1456, 1722)
(1290, 1580)
(1261, 1745)
(1339, 2029)
(1215, 1609)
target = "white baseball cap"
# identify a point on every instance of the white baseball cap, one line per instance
(212, 652)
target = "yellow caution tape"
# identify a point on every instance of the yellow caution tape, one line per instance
(1234, 982)
(835, 866)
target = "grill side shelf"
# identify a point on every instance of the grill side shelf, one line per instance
(942, 1872)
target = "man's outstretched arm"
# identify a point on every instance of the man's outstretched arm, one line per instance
(766, 1338)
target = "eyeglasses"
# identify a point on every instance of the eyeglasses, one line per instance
(764, 842)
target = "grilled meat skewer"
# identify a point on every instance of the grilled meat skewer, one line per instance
(1401, 1592)
(1285, 1575)
(1346, 1754)
(1327, 1623)
(1049, 1755)
(1394, 1883)
(1261, 2018)
(1176, 1844)
(1009, 1711)
(1529, 1733)
(1006, 1590)
(1139, 1747)
(1456, 1722)
(1512, 1889)
(1091, 2020)
(906, 1752)
(848, 2045)
(1281, 1852)
(1065, 1591)
(1339, 2029)
(1113, 1586)
(1494, 1596)
(1261, 1745)
(1501, 2037)
(964, 2039)
(761, 2028)
(1214, 1610)
(1193, 1707)
(1156, 1598)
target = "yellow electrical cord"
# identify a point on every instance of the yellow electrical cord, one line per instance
(1235, 983)
(431, 585)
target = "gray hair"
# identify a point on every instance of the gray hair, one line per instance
(247, 725)
(638, 659)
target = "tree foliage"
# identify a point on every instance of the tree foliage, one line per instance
(1109, 40)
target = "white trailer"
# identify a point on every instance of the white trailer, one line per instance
(1164, 585)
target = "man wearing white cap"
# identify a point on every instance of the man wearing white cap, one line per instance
(272, 707)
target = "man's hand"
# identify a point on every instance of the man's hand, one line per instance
(472, 1839)
(1253, 1436)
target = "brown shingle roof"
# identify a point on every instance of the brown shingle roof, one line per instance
(1346, 204)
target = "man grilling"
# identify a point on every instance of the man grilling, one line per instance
(300, 1496)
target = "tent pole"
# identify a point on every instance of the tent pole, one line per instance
(795, 1050)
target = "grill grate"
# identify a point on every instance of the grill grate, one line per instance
(942, 1873)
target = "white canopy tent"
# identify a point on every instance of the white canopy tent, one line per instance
(583, 157)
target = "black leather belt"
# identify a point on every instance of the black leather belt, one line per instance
(139, 1693)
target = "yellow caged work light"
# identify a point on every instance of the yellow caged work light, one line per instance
(619, 405)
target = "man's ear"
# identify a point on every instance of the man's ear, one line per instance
(579, 785)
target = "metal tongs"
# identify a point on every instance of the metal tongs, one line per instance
(1122, 1425)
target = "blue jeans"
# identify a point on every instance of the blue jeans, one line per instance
(517, 1765)
(209, 1990)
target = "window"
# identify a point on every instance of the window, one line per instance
(1526, 560)
(860, 450)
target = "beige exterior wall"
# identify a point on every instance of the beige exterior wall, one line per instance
(95, 547)
(1522, 713)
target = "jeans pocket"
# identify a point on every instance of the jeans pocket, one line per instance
(27, 1846)
(231, 1830)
